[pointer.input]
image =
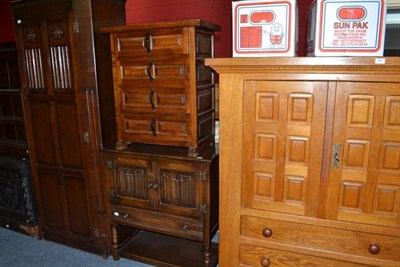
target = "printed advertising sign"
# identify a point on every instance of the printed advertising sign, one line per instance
(264, 28)
(353, 28)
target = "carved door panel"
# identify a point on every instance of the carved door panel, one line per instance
(54, 123)
(133, 182)
(179, 188)
(284, 124)
(364, 179)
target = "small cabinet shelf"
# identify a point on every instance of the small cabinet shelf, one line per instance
(161, 190)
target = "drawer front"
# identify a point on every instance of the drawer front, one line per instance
(258, 256)
(153, 99)
(152, 42)
(158, 222)
(156, 72)
(156, 128)
(321, 238)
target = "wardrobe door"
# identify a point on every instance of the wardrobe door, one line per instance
(284, 131)
(364, 178)
(54, 123)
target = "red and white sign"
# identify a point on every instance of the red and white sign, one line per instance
(346, 28)
(264, 28)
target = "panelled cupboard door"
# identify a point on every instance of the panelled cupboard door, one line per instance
(54, 125)
(364, 179)
(132, 181)
(284, 124)
(180, 188)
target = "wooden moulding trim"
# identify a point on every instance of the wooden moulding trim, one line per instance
(307, 65)
(162, 25)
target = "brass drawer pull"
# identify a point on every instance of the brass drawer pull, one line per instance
(267, 232)
(374, 248)
(148, 42)
(152, 71)
(151, 99)
(152, 126)
(265, 262)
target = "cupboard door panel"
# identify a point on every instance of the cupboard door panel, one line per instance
(69, 135)
(51, 200)
(132, 182)
(365, 185)
(180, 188)
(42, 131)
(76, 199)
(282, 148)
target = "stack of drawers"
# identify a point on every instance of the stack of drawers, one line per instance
(163, 92)
(162, 175)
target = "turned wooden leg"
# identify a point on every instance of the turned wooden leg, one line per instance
(207, 256)
(114, 251)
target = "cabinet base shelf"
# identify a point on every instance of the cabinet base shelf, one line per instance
(167, 251)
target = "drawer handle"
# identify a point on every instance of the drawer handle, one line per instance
(149, 186)
(152, 126)
(148, 42)
(152, 71)
(374, 248)
(185, 227)
(151, 101)
(265, 262)
(267, 232)
(126, 215)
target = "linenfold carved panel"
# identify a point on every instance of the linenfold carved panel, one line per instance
(178, 188)
(131, 181)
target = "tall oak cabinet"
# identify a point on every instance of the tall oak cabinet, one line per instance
(309, 161)
(65, 73)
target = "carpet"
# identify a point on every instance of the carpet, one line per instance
(19, 250)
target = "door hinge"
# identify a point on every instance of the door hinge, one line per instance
(110, 164)
(203, 176)
(203, 208)
(86, 137)
(96, 232)
(75, 27)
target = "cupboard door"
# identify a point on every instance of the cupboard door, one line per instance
(284, 124)
(179, 187)
(54, 123)
(132, 182)
(364, 181)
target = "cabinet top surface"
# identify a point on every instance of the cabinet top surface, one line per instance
(163, 25)
(316, 64)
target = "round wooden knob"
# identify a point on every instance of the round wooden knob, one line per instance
(265, 262)
(267, 232)
(374, 248)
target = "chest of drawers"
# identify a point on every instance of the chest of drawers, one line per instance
(310, 166)
(164, 94)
